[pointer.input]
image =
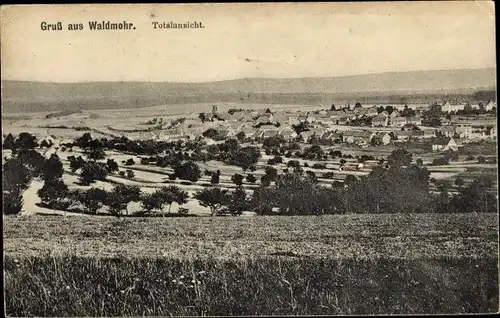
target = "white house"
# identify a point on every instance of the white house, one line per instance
(398, 121)
(448, 107)
(443, 145)
(490, 105)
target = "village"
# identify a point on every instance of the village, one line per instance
(349, 125)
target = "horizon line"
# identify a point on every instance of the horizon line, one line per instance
(248, 78)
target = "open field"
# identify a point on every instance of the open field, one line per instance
(395, 264)
(419, 236)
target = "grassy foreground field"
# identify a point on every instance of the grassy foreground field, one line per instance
(351, 264)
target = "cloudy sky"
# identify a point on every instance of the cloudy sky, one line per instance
(251, 40)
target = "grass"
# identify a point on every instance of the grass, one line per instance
(418, 236)
(74, 286)
(328, 265)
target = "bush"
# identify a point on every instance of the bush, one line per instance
(293, 163)
(130, 174)
(469, 158)
(251, 178)
(327, 175)
(183, 211)
(121, 173)
(319, 166)
(481, 160)
(186, 183)
(129, 162)
(215, 179)
(237, 179)
(272, 173)
(440, 161)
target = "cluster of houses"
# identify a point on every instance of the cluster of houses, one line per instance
(394, 120)
(449, 107)
(330, 126)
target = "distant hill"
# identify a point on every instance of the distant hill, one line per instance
(41, 96)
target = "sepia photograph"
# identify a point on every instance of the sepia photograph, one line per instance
(249, 159)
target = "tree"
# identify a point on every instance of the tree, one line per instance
(52, 168)
(32, 160)
(95, 153)
(111, 165)
(459, 182)
(187, 170)
(241, 136)
(215, 179)
(54, 194)
(272, 142)
(172, 194)
(12, 200)
(130, 162)
(84, 141)
(9, 142)
(92, 171)
(357, 105)
(210, 133)
(312, 176)
(272, 173)
(293, 163)
(332, 107)
(203, 117)
(93, 199)
(46, 144)
(278, 159)
(420, 162)
(214, 198)
(15, 175)
(239, 201)
(230, 145)
(151, 201)
(245, 157)
(399, 157)
(265, 180)
(121, 195)
(76, 163)
(294, 195)
(130, 174)
(26, 141)
(268, 111)
(350, 179)
(237, 179)
(251, 178)
(481, 160)
(476, 197)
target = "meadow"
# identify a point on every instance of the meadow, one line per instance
(336, 264)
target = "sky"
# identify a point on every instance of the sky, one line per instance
(287, 40)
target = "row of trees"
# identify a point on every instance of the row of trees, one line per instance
(18, 172)
(401, 188)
